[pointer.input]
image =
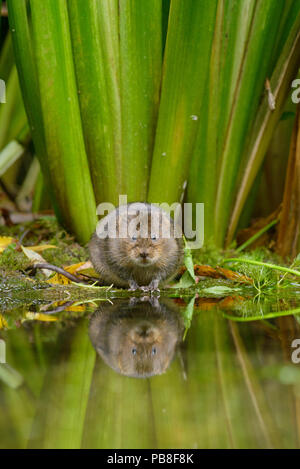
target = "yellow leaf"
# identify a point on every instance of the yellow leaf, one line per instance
(40, 317)
(72, 269)
(73, 308)
(3, 322)
(41, 247)
(88, 269)
(35, 258)
(59, 279)
(76, 309)
(4, 242)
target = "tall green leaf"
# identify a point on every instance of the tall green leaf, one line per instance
(140, 66)
(25, 62)
(61, 116)
(95, 40)
(252, 75)
(186, 59)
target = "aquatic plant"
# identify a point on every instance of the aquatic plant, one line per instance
(158, 100)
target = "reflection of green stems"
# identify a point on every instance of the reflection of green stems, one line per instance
(267, 316)
(291, 267)
(256, 236)
(188, 316)
(264, 416)
(264, 264)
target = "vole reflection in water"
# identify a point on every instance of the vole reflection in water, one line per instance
(137, 337)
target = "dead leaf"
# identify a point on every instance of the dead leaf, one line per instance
(40, 317)
(59, 279)
(3, 322)
(4, 242)
(218, 272)
(36, 258)
(41, 247)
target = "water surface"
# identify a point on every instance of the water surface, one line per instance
(118, 374)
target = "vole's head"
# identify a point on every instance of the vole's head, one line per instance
(144, 350)
(150, 237)
(143, 251)
(137, 341)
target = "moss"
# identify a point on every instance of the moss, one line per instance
(42, 231)
(12, 259)
(208, 255)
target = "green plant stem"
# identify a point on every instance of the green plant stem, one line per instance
(264, 264)
(61, 117)
(186, 63)
(250, 84)
(26, 66)
(259, 139)
(256, 236)
(95, 40)
(262, 317)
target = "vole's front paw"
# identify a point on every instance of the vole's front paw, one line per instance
(153, 286)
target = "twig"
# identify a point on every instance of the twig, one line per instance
(59, 309)
(58, 270)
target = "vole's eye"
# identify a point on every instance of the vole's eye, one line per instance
(134, 351)
(154, 351)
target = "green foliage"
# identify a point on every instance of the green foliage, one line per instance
(148, 98)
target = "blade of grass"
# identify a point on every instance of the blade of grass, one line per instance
(256, 236)
(252, 75)
(264, 264)
(140, 66)
(6, 58)
(203, 175)
(95, 40)
(60, 108)
(266, 120)
(9, 155)
(186, 61)
(288, 241)
(12, 106)
(263, 317)
(26, 66)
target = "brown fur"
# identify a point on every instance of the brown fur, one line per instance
(119, 261)
(116, 330)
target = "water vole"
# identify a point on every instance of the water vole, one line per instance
(136, 246)
(137, 338)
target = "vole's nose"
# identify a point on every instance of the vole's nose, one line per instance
(144, 254)
(143, 331)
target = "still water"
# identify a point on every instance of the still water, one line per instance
(152, 373)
